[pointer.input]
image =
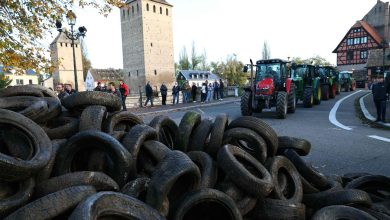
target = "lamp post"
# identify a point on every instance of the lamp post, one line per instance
(384, 45)
(73, 36)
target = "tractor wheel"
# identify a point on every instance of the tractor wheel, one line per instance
(292, 100)
(318, 95)
(353, 87)
(246, 104)
(333, 91)
(346, 87)
(338, 89)
(325, 92)
(308, 98)
(281, 105)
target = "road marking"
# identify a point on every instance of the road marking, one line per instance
(364, 109)
(380, 138)
(332, 114)
(202, 112)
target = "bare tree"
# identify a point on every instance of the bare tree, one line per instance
(195, 59)
(266, 53)
(184, 63)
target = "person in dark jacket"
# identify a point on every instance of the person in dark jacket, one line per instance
(194, 89)
(113, 90)
(216, 90)
(124, 89)
(379, 93)
(221, 88)
(69, 89)
(98, 87)
(149, 94)
(175, 93)
(61, 92)
(164, 92)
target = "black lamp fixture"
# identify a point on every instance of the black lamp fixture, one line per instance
(73, 36)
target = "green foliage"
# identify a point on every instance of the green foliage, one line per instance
(195, 58)
(266, 52)
(232, 71)
(4, 81)
(184, 63)
(315, 60)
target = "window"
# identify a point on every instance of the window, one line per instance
(123, 13)
(349, 41)
(30, 81)
(19, 81)
(129, 74)
(76, 45)
(137, 72)
(356, 41)
(128, 11)
(154, 8)
(363, 54)
(151, 44)
(160, 10)
(137, 8)
(132, 10)
(363, 40)
(66, 44)
(350, 55)
(61, 44)
(155, 72)
(166, 12)
(147, 7)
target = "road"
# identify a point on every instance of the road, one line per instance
(356, 148)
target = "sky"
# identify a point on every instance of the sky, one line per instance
(292, 28)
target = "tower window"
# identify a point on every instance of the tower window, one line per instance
(132, 10)
(129, 74)
(151, 44)
(160, 10)
(61, 44)
(147, 7)
(137, 72)
(128, 11)
(155, 72)
(76, 45)
(154, 8)
(66, 44)
(137, 7)
(166, 11)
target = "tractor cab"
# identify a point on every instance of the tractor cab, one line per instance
(270, 76)
(304, 72)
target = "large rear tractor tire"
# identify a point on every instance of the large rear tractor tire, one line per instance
(318, 95)
(281, 105)
(338, 90)
(353, 87)
(333, 91)
(308, 98)
(246, 104)
(325, 92)
(292, 100)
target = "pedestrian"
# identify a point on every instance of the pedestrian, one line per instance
(216, 90)
(149, 94)
(124, 89)
(113, 90)
(164, 92)
(210, 90)
(69, 89)
(379, 93)
(175, 93)
(188, 91)
(98, 87)
(61, 93)
(193, 91)
(221, 88)
(203, 93)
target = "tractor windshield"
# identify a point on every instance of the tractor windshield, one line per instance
(324, 72)
(301, 71)
(271, 70)
(344, 75)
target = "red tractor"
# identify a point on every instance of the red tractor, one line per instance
(271, 87)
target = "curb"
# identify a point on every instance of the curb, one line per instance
(365, 115)
(187, 108)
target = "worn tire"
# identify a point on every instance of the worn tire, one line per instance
(174, 176)
(100, 181)
(92, 118)
(46, 172)
(286, 180)
(318, 95)
(315, 196)
(89, 140)
(377, 186)
(207, 204)
(207, 167)
(308, 98)
(137, 188)
(271, 209)
(63, 201)
(187, 125)
(80, 100)
(200, 135)
(246, 104)
(254, 144)
(15, 169)
(167, 130)
(333, 91)
(341, 212)
(27, 90)
(10, 201)
(292, 100)
(340, 197)
(149, 156)
(245, 171)
(260, 127)
(121, 121)
(300, 145)
(281, 105)
(62, 127)
(325, 92)
(216, 136)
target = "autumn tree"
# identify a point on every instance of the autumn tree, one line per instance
(233, 71)
(315, 60)
(26, 24)
(4, 81)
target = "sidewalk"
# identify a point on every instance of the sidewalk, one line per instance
(159, 109)
(368, 109)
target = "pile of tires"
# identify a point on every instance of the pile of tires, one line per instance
(83, 158)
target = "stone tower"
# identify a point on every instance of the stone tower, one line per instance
(147, 44)
(61, 51)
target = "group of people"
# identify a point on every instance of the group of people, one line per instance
(64, 90)
(381, 92)
(122, 91)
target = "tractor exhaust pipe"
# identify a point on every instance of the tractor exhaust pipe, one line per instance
(252, 85)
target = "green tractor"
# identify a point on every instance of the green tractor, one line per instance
(347, 82)
(307, 83)
(329, 82)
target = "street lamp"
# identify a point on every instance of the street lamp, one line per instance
(73, 36)
(384, 46)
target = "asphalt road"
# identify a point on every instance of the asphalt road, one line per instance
(334, 149)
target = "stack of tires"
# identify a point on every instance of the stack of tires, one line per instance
(82, 158)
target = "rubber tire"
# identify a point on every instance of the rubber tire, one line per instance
(200, 135)
(137, 188)
(300, 145)
(271, 209)
(292, 100)
(260, 127)
(307, 187)
(14, 169)
(281, 105)
(92, 118)
(27, 90)
(246, 104)
(341, 197)
(175, 176)
(22, 195)
(341, 212)
(318, 97)
(187, 125)
(325, 92)
(315, 196)
(80, 100)
(62, 127)
(338, 89)
(150, 155)
(100, 181)
(123, 163)
(17, 143)
(372, 184)
(121, 118)
(256, 145)
(308, 98)
(333, 91)
(207, 167)
(216, 136)
(167, 130)
(244, 174)
(63, 201)
(291, 190)
(187, 208)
